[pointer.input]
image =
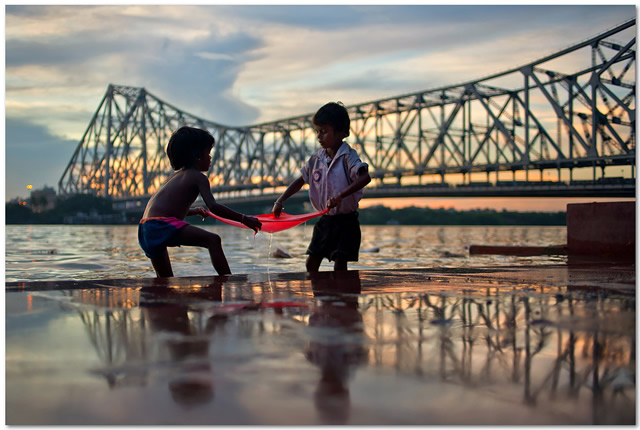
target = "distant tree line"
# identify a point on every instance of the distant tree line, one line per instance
(379, 215)
(374, 215)
(79, 203)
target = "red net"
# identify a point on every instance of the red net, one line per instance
(271, 224)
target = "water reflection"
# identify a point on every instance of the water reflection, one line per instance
(337, 344)
(549, 348)
(191, 374)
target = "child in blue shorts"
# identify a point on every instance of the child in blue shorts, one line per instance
(162, 224)
(336, 177)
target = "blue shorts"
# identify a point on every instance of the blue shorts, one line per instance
(154, 234)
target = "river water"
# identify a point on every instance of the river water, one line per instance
(80, 252)
(361, 347)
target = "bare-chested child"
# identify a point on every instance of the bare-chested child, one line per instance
(162, 224)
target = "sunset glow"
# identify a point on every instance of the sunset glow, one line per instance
(496, 203)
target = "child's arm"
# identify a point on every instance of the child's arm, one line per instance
(293, 188)
(361, 181)
(200, 211)
(221, 210)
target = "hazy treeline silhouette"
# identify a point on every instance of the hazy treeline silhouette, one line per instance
(377, 215)
(374, 215)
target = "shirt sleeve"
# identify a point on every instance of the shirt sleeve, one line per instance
(354, 163)
(304, 171)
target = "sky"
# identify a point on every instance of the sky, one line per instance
(246, 64)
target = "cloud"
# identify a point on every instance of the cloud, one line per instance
(399, 50)
(214, 56)
(331, 18)
(168, 50)
(184, 75)
(254, 52)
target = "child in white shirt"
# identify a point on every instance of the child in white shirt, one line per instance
(336, 177)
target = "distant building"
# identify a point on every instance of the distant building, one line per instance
(18, 201)
(43, 200)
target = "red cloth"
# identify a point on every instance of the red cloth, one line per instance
(271, 224)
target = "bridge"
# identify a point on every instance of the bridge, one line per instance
(561, 126)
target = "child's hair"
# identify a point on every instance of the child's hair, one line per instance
(335, 115)
(186, 145)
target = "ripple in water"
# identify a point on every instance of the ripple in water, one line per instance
(76, 252)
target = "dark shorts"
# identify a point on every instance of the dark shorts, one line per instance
(336, 237)
(155, 233)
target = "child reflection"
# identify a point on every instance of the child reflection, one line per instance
(338, 344)
(191, 380)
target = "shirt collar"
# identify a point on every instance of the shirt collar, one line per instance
(344, 148)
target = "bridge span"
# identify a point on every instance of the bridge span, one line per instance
(563, 125)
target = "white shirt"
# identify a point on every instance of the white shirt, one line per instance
(327, 178)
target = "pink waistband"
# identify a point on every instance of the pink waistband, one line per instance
(176, 222)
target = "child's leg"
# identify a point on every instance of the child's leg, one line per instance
(162, 265)
(340, 264)
(313, 263)
(347, 238)
(194, 236)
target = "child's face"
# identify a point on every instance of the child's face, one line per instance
(204, 161)
(328, 136)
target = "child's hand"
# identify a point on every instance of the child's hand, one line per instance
(251, 222)
(334, 201)
(277, 209)
(200, 211)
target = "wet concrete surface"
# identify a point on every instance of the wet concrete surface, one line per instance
(473, 346)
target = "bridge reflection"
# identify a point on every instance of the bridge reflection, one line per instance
(538, 345)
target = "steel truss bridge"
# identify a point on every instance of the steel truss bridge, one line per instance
(563, 125)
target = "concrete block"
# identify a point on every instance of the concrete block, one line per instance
(603, 230)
